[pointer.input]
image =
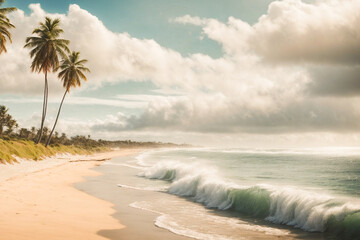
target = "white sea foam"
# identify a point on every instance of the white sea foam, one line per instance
(331, 151)
(154, 189)
(140, 158)
(306, 210)
(168, 222)
(124, 165)
(142, 205)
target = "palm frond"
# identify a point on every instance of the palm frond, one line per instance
(7, 10)
(5, 25)
(46, 47)
(72, 70)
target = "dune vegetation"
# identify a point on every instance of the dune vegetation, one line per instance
(10, 149)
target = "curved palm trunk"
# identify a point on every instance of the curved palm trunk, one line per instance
(45, 101)
(57, 117)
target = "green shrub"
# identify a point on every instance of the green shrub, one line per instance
(29, 150)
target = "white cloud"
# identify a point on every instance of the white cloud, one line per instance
(233, 36)
(294, 31)
(327, 31)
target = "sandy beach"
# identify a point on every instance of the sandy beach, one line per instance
(40, 202)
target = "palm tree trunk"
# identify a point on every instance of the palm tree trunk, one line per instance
(45, 101)
(57, 117)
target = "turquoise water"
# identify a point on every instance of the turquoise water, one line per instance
(316, 190)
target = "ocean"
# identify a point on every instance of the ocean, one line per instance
(234, 193)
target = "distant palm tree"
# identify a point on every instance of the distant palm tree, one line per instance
(4, 26)
(71, 74)
(6, 121)
(46, 48)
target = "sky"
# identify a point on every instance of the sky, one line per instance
(229, 73)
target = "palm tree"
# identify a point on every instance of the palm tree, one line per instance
(4, 26)
(71, 74)
(46, 48)
(6, 120)
(3, 118)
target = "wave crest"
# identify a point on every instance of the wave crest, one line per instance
(282, 205)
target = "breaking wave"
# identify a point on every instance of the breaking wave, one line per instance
(306, 210)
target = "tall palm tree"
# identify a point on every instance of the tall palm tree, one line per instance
(5, 25)
(72, 72)
(46, 48)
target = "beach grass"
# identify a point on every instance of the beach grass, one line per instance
(9, 149)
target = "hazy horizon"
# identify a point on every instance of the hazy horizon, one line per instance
(228, 74)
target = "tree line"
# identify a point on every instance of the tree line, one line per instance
(49, 53)
(10, 130)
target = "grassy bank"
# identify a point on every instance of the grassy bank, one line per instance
(29, 150)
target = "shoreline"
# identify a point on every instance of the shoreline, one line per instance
(40, 201)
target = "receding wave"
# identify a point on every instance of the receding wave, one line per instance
(167, 222)
(282, 205)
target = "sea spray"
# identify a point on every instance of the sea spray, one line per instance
(283, 205)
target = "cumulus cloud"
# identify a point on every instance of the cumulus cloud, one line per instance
(234, 36)
(293, 31)
(326, 31)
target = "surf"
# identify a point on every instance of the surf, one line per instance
(309, 211)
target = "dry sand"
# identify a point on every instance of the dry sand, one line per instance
(41, 203)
